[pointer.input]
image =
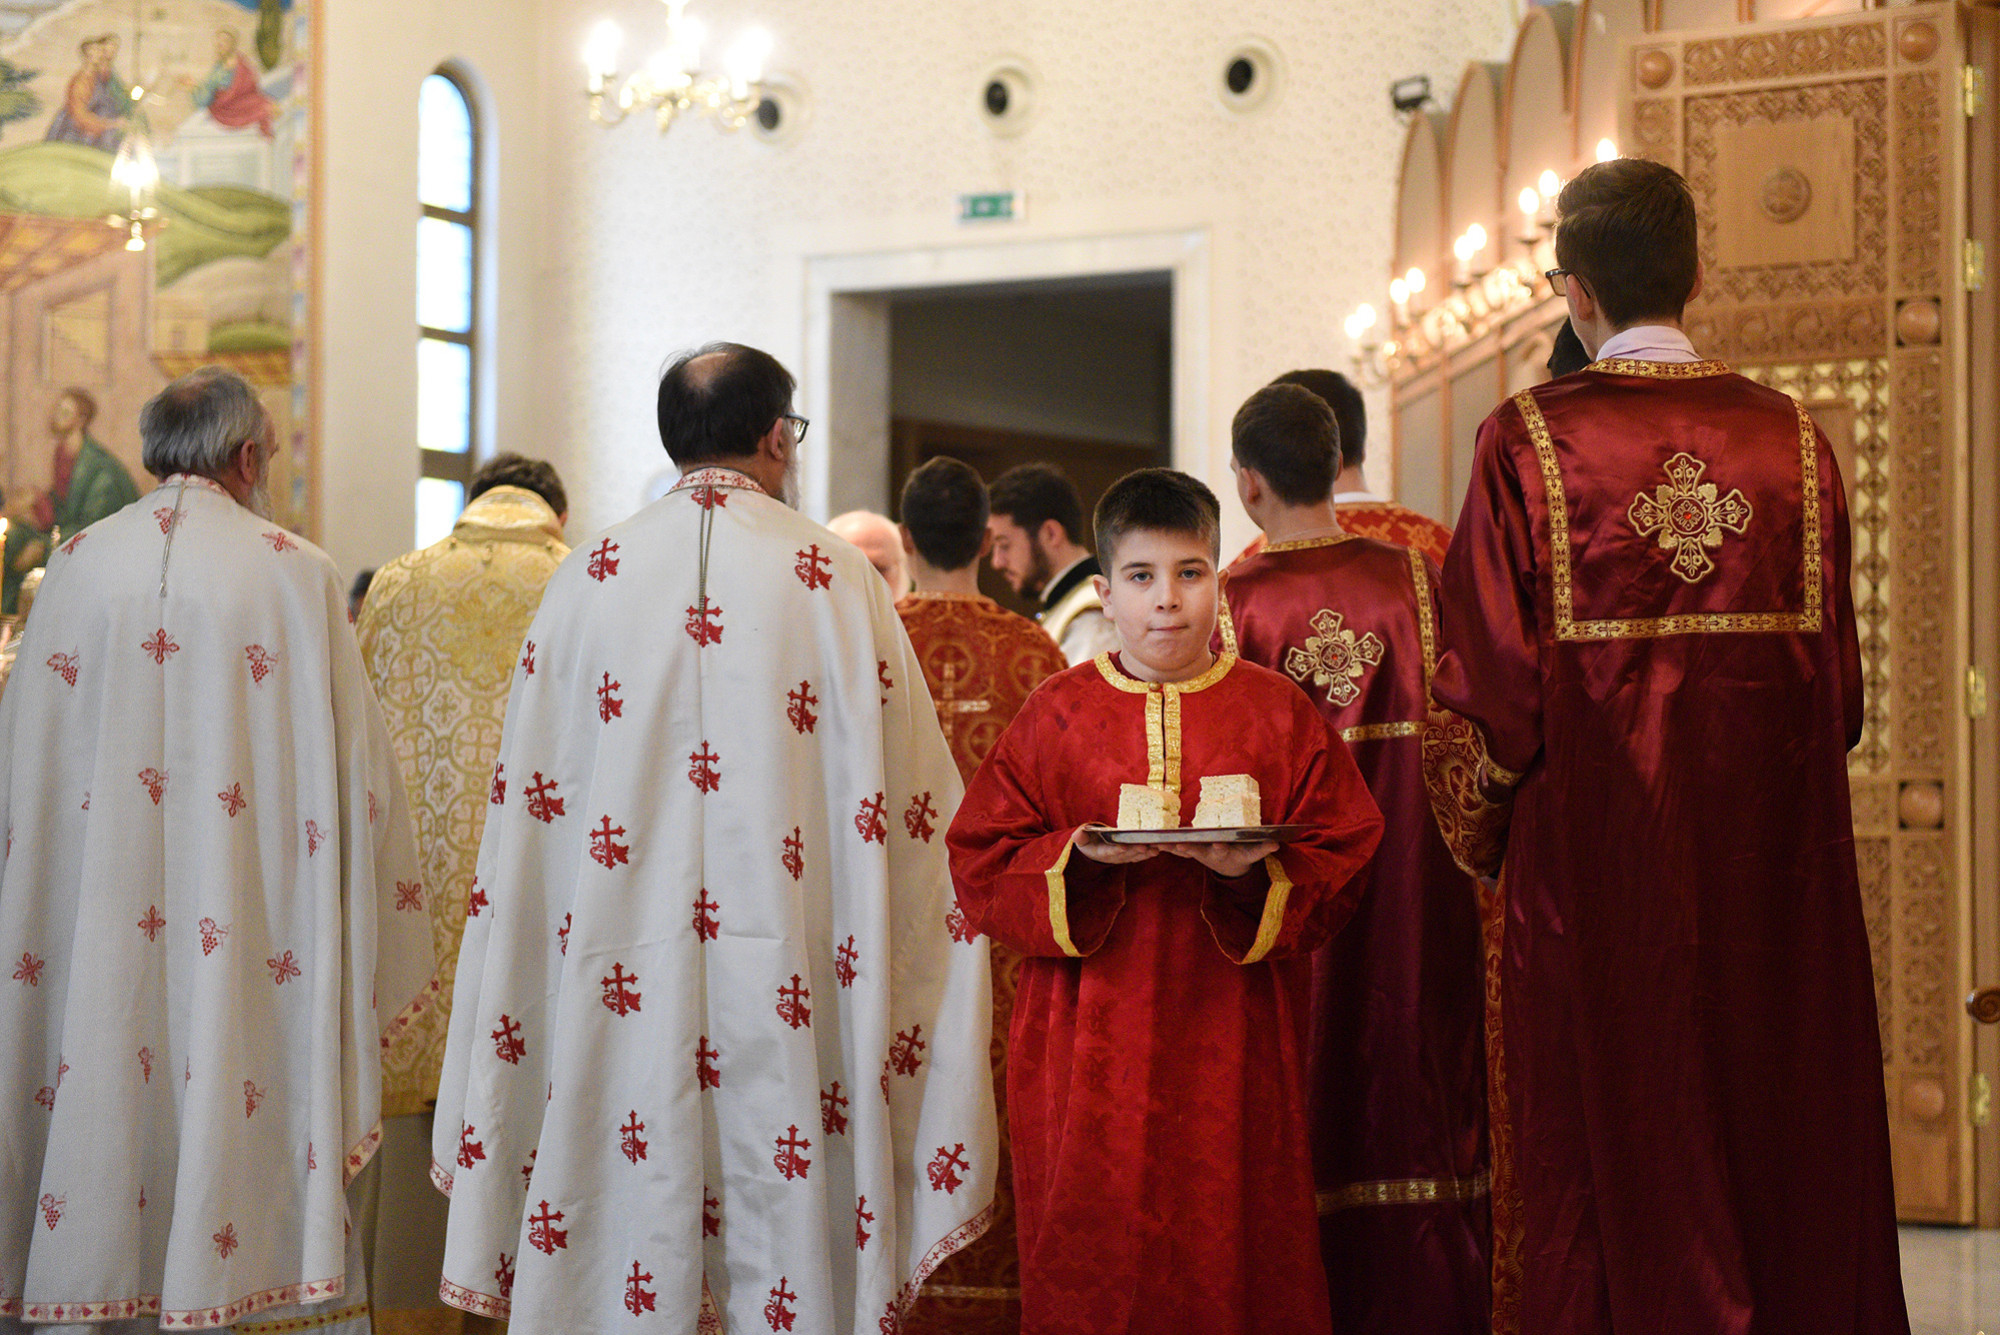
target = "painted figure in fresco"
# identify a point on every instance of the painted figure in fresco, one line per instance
(231, 93)
(97, 103)
(89, 483)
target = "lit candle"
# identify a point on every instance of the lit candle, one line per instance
(600, 54)
(1531, 204)
(1414, 280)
(1475, 241)
(1399, 297)
(1606, 150)
(1549, 186)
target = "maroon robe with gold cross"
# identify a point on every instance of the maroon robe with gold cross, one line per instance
(1156, 1077)
(1647, 618)
(1398, 1082)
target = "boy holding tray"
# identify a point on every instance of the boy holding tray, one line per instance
(1157, 1085)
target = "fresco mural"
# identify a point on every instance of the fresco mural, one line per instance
(154, 180)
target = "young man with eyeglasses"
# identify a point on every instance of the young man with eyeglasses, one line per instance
(1646, 618)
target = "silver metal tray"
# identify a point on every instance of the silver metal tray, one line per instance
(1238, 834)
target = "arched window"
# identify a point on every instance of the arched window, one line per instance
(447, 300)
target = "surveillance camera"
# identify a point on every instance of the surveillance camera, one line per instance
(1408, 95)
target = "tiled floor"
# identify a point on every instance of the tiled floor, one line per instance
(1951, 1277)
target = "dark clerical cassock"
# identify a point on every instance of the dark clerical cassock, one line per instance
(1646, 616)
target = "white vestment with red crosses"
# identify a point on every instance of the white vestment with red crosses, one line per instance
(714, 1047)
(211, 924)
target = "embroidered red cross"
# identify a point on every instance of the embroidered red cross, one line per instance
(604, 851)
(609, 706)
(872, 821)
(262, 660)
(29, 970)
(961, 930)
(795, 854)
(225, 1241)
(69, 547)
(944, 1169)
(906, 1053)
(280, 540)
(543, 805)
(562, 934)
(705, 1072)
(152, 922)
(832, 1118)
(778, 1311)
(603, 565)
(282, 967)
(504, 1276)
(160, 647)
(917, 820)
(528, 659)
(528, 1170)
(813, 569)
(470, 1151)
(862, 1215)
(232, 799)
(629, 1144)
(708, 498)
(705, 769)
(507, 1041)
(476, 901)
(499, 793)
(843, 962)
(711, 1214)
(638, 1298)
(787, 1160)
(882, 675)
(64, 666)
(699, 628)
(620, 998)
(799, 709)
(706, 924)
(543, 1235)
(792, 1008)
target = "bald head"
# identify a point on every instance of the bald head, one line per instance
(880, 541)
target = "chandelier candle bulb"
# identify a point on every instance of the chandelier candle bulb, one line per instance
(1606, 150)
(1530, 202)
(600, 54)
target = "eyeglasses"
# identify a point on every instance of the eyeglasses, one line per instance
(799, 425)
(1558, 281)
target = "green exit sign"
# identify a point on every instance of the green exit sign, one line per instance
(997, 206)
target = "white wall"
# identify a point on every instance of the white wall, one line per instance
(618, 247)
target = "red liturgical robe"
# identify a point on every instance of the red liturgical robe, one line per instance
(1157, 1082)
(1647, 615)
(1397, 1068)
(1385, 521)
(981, 662)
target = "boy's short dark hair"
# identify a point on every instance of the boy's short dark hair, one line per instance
(1032, 494)
(1348, 409)
(1157, 500)
(517, 470)
(722, 407)
(1288, 435)
(944, 508)
(1627, 229)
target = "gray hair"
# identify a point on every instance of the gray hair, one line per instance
(198, 423)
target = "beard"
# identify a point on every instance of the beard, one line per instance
(1040, 570)
(259, 503)
(788, 490)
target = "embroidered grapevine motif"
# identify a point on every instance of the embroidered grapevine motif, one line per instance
(799, 709)
(167, 518)
(409, 896)
(542, 804)
(1689, 516)
(843, 963)
(620, 998)
(832, 1117)
(528, 659)
(64, 666)
(603, 565)
(225, 1241)
(46, 1096)
(253, 1098)
(152, 922)
(778, 1312)
(917, 820)
(610, 706)
(699, 628)
(638, 1298)
(629, 1144)
(232, 799)
(945, 1168)
(262, 660)
(280, 541)
(52, 1208)
(314, 837)
(282, 967)
(146, 1065)
(212, 934)
(862, 1215)
(498, 796)
(906, 1053)
(705, 1072)
(795, 854)
(813, 569)
(29, 970)
(787, 1160)
(871, 820)
(470, 1151)
(705, 769)
(507, 1041)
(792, 1007)
(961, 930)
(706, 924)
(504, 1276)
(160, 648)
(476, 902)
(155, 782)
(711, 1214)
(543, 1235)
(1334, 657)
(891, 1323)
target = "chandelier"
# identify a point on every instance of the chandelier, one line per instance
(673, 81)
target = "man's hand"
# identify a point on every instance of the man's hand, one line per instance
(1228, 861)
(1092, 845)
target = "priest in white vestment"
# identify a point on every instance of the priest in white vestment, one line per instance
(717, 1052)
(210, 911)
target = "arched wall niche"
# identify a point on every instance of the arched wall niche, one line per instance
(1671, 15)
(1536, 115)
(1472, 160)
(1603, 29)
(1421, 205)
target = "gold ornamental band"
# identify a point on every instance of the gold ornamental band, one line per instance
(1375, 732)
(997, 1295)
(320, 1321)
(1405, 1191)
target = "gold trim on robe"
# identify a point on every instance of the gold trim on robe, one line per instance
(1059, 903)
(1405, 1191)
(1456, 772)
(1273, 920)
